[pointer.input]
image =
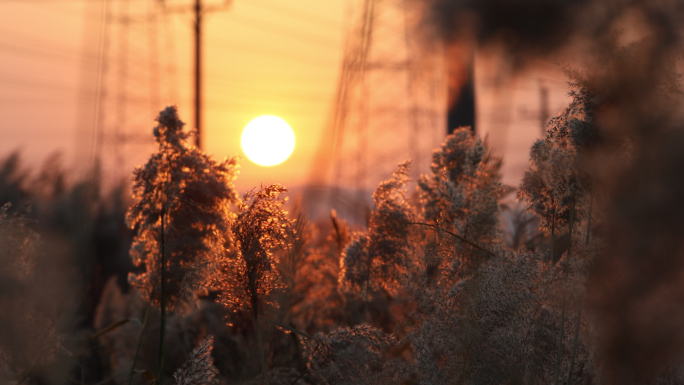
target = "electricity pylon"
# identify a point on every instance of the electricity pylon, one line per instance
(129, 124)
(391, 102)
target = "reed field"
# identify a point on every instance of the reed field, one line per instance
(178, 278)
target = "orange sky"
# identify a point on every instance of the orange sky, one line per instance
(261, 57)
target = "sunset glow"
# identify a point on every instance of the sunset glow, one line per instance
(268, 140)
(482, 192)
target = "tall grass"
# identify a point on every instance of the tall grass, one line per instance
(430, 292)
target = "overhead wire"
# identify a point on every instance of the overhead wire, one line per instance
(40, 85)
(25, 50)
(40, 42)
(287, 32)
(281, 55)
(273, 89)
(60, 1)
(250, 115)
(296, 14)
(272, 71)
(283, 100)
(278, 85)
(279, 30)
(247, 96)
(59, 8)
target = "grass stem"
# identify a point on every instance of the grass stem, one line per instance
(162, 328)
(575, 339)
(460, 238)
(137, 349)
(262, 351)
(561, 332)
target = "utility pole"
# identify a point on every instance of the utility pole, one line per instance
(199, 11)
(543, 107)
(198, 72)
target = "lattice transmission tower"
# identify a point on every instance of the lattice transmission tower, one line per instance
(131, 91)
(391, 102)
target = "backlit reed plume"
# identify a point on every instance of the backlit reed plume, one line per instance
(461, 193)
(192, 194)
(350, 356)
(460, 196)
(379, 257)
(199, 368)
(556, 182)
(247, 278)
(29, 338)
(317, 304)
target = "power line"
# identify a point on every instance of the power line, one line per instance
(13, 101)
(285, 55)
(39, 42)
(304, 16)
(246, 95)
(267, 52)
(59, 10)
(215, 73)
(277, 85)
(282, 100)
(42, 135)
(283, 31)
(42, 86)
(252, 92)
(239, 71)
(250, 101)
(251, 115)
(36, 52)
(61, 1)
(272, 91)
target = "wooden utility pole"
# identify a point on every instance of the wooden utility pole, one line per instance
(543, 108)
(198, 73)
(199, 11)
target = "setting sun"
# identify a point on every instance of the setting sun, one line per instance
(268, 140)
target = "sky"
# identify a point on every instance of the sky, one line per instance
(261, 57)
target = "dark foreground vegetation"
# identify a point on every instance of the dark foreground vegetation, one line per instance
(190, 283)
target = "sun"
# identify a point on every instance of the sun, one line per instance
(268, 140)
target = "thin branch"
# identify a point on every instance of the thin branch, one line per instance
(162, 328)
(137, 349)
(460, 238)
(579, 311)
(300, 376)
(293, 330)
